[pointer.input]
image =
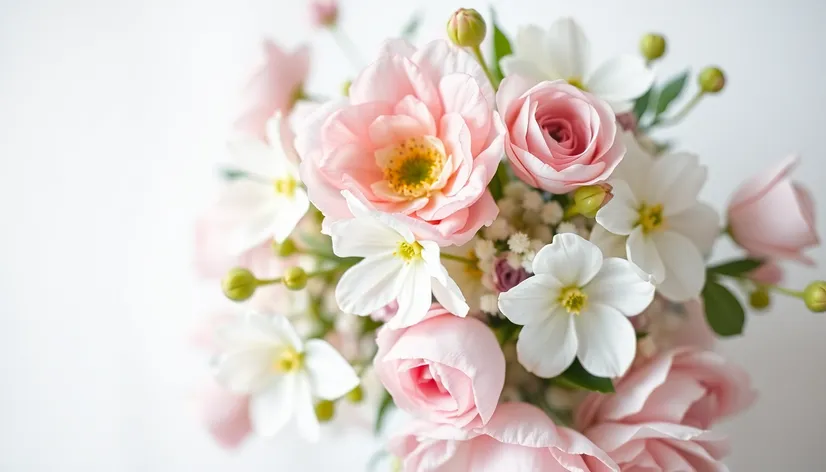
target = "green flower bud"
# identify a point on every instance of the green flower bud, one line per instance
(466, 28)
(760, 299)
(239, 284)
(711, 80)
(652, 46)
(345, 88)
(589, 199)
(285, 249)
(355, 395)
(325, 410)
(295, 278)
(815, 296)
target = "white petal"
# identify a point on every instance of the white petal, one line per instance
(685, 271)
(621, 213)
(272, 408)
(700, 224)
(433, 261)
(290, 212)
(360, 210)
(532, 300)
(516, 65)
(612, 245)
(607, 342)
(675, 181)
(245, 369)
(548, 348)
(305, 417)
(287, 333)
(621, 79)
(331, 376)
(635, 166)
(622, 286)
(369, 285)
(363, 237)
(568, 49)
(529, 59)
(570, 258)
(254, 156)
(642, 252)
(450, 295)
(414, 296)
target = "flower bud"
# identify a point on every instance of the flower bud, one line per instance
(324, 13)
(285, 249)
(239, 284)
(711, 80)
(652, 46)
(815, 296)
(760, 299)
(295, 278)
(589, 199)
(466, 28)
(325, 410)
(345, 88)
(355, 395)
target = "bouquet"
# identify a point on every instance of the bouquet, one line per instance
(494, 243)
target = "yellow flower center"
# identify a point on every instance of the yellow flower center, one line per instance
(285, 186)
(413, 166)
(473, 270)
(651, 217)
(409, 251)
(573, 299)
(288, 360)
(578, 83)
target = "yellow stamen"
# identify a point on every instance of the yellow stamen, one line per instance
(573, 299)
(288, 360)
(285, 186)
(578, 83)
(409, 251)
(412, 167)
(651, 217)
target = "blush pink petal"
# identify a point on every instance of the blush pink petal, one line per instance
(769, 273)
(225, 414)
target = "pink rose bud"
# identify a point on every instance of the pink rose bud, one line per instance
(506, 276)
(772, 216)
(324, 13)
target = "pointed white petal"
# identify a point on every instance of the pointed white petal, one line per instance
(568, 49)
(570, 259)
(305, 417)
(607, 342)
(532, 300)
(685, 271)
(548, 348)
(360, 210)
(621, 213)
(369, 285)
(675, 181)
(449, 295)
(331, 376)
(363, 237)
(432, 259)
(622, 286)
(271, 408)
(414, 296)
(634, 167)
(529, 55)
(700, 224)
(290, 212)
(244, 369)
(621, 79)
(642, 252)
(612, 245)
(517, 65)
(287, 333)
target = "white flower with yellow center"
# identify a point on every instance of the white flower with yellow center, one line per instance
(655, 220)
(396, 266)
(264, 357)
(265, 200)
(576, 306)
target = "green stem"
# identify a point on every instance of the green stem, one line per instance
(265, 282)
(785, 291)
(453, 257)
(477, 53)
(682, 113)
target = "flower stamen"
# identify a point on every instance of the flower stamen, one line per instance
(578, 83)
(573, 299)
(412, 167)
(288, 360)
(651, 217)
(409, 251)
(285, 186)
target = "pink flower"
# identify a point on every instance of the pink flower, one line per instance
(769, 273)
(225, 414)
(673, 325)
(417, 137)
(772, 216)
(274, 86)
(519, 438)
(324, 13)
(658, 419)
(558, 137)
(445, 369)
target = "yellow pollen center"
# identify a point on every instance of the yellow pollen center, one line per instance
(578, 83)
(573, 299)
(285, 186)
(412, 167)
(288, 360)
(409, 251)
(651, 217)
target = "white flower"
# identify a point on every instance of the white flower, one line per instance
(515, 189)
(484, 249)
(264, 358)
(567, 227)
(499, 230)
(266, 201)
(563, 52)
(656, 220)
(552, 213)
(576, 306)
(532, 201)
(396, 266)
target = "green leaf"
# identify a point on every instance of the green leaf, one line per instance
(724, 312)
(501, 46)
(384, 408)
(670, 92)
(641, 105)
(499, 181)
(736, 268)
(412, 26)
(576, 376)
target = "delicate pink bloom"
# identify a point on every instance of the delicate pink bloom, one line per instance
(659, 417)
(324, 13)
(506, 276)
(519, 438)
(772, 216)
(445, 369)
(385, 313)
(274, 86)
(558, 137)
(213, 258)
(417, 136)
(627, 121)
(769, 273)
(225, 414)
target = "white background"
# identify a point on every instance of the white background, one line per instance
(112, 114)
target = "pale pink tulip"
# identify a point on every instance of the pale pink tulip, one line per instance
(518, 438)
(558, 137)
(444, 369)
(417, 136)
(772, 216)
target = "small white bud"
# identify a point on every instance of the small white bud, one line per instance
(552, 213)
(519, 243)
(532, 201)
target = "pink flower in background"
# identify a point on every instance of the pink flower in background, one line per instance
(417, 137)
(274, 86)
(658, 419)
(519, 438)
(445, 369)
(772, 216)
(225, 414)
(673, 325)
(558, 137)
(324, 13)
(769, 273)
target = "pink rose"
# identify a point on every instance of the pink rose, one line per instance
(225, 414)
(417, 137)
(558, 137)
(445, 369)
(324, 12)
(772, 216)
(519, 438)
(274, 86)
(658, 419)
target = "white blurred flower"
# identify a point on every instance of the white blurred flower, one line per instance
(519, 243)
(484, 249)
(499, 230)
(515, 189)
(489, 303)
(567, 227)
(532, 201)
(552, 213)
